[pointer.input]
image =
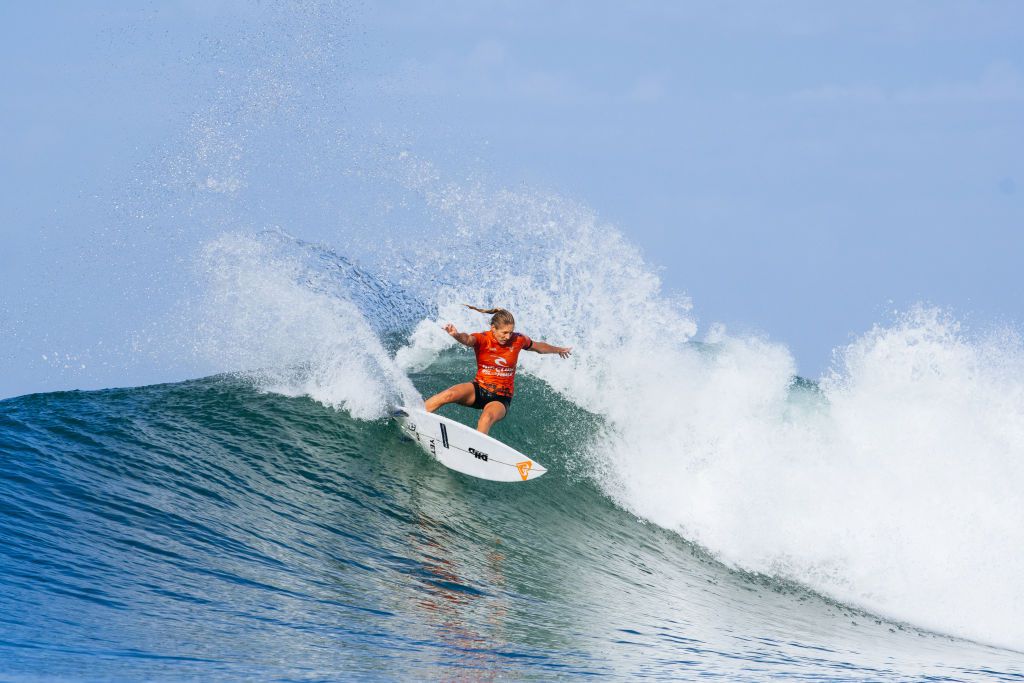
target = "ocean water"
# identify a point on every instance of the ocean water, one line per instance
(208, 530)
(273, 523)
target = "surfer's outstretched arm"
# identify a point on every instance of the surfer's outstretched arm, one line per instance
(461, 337)
(542, 347)
(464, 393)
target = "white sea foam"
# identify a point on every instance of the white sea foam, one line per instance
(899, 490)
(896, 486)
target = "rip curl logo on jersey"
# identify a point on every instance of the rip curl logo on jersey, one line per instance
(501, 361)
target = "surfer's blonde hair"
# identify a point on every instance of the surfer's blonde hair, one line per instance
(499, 316)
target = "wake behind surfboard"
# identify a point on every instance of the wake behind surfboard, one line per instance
(466, 450)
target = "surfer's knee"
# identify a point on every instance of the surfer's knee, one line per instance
(484, 424)
(492, 412)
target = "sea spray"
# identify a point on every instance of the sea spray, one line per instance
(298, 330)
(895, 486)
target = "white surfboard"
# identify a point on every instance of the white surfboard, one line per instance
(466, 450)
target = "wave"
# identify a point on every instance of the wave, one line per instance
(211, 529)
(891, 484)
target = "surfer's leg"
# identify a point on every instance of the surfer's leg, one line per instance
(460, 393)
(493, 412)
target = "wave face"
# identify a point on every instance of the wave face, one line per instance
(211, 530)
(705, 513)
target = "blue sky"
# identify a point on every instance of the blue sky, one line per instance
(799, 169)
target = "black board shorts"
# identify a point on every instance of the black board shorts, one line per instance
(482, 397)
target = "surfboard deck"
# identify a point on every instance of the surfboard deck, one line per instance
(464, 449)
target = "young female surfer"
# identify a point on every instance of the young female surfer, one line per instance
(497, 351)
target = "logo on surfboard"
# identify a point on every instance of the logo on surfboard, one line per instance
(524, 468)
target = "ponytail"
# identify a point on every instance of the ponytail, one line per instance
(499, 316)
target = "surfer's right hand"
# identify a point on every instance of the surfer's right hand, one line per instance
(450, 329)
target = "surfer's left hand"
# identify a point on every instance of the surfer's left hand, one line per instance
(565, 351)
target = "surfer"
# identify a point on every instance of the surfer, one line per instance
(497, 351)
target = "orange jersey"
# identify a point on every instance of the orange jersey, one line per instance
(496, 364)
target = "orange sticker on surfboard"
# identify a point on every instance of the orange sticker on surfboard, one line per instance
(524, 468)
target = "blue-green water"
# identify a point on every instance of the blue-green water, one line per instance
(205, 530)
